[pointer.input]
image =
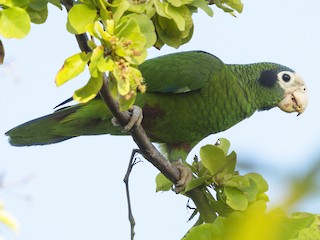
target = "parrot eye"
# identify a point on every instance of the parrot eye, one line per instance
(286, 76)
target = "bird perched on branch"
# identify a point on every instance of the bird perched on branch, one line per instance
(189, 96)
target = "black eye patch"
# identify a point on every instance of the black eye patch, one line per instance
(268, 78)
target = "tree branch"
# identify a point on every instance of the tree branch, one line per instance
(147, 149)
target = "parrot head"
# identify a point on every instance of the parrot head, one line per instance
(288, 87)
(295, 97)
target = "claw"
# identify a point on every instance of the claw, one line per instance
(135, 119)
(115, 122)
(185, 176)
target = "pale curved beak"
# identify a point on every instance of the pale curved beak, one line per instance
(296, 100)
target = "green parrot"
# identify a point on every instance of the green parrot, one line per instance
(189, 96)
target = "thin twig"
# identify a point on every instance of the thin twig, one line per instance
(132, 162)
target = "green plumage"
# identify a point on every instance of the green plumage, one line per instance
(189, 96)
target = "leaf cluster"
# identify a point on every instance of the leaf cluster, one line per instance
(16, 16)
(239, 202)
(225, 188)
(257, 223)
(121, 31)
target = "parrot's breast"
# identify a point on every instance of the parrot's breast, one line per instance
(190, 117)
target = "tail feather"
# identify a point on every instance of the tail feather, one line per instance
(92, 118)
(40, 131)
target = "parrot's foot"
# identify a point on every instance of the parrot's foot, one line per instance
(185, 176)
(135, 119)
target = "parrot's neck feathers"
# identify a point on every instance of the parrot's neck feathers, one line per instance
(258, 84)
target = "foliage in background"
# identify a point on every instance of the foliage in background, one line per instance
(8, 220)
(16, 16)
(240, 202)
(256, 223)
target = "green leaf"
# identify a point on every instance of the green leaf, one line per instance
(79, 17)
(120, 7)
(146, 28)
(132, 42)
(302, 226)
(38, 16)
(202, 4)
(125, 103)
(135, 77)
(213, 158)
(237, 181)
(89, 91)
(56, 3)
(206, 231)
(112, 86)
(105, 15)
(72, 67)
(260, 181)
(159, 43)
(187, 34)
(123, 84)
(169, 33)
(179, 3)
(96, 30)
(163, 183)
(15, 3)
(231, 163)
(251, 191)
(235, 198)
(105, 64)
(135, 53)
(145, 7)
(224, 144)
(90, 3)
(96, 56)
(197, 167)
(14, 23)
(177, 14)
(229, 5)
(236, 5)
(255, 224)
(125, 27)
(160, 9)
(91, 44)
(196, 182)
(38, 5)
(224, 7)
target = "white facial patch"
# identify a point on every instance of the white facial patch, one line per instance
(295, 92)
